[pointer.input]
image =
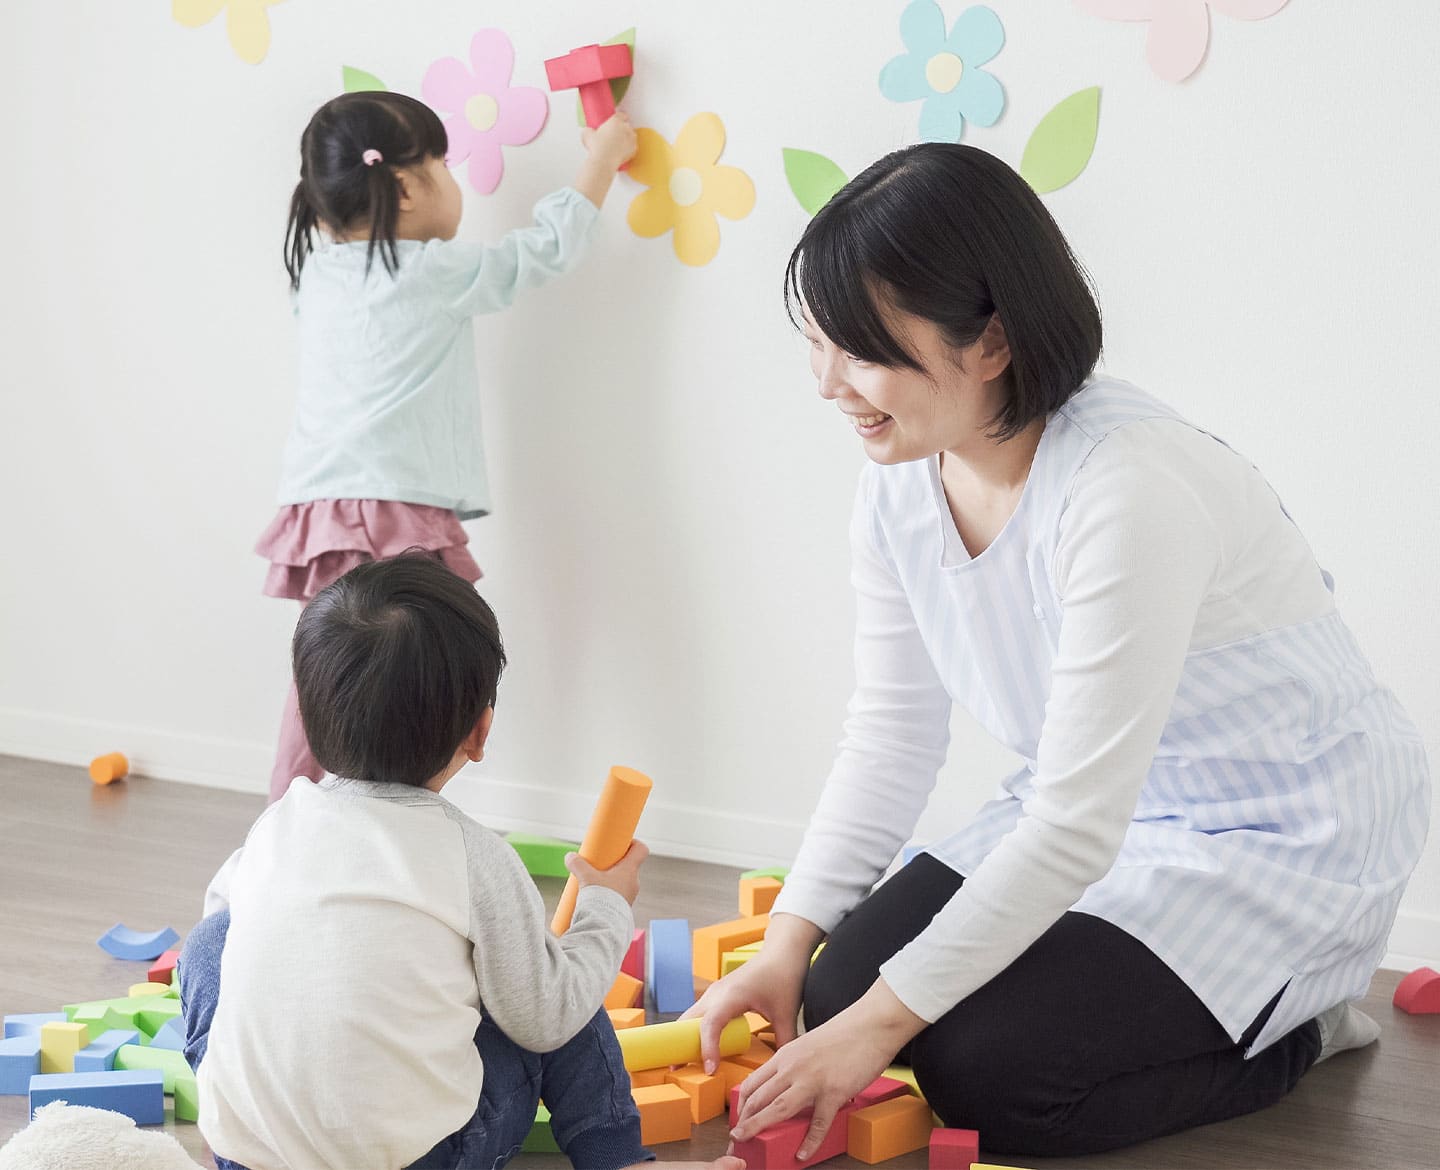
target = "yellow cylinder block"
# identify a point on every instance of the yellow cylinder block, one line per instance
(678, 1042)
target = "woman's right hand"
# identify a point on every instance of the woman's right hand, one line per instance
(771, 983)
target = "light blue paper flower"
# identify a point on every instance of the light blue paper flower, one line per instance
(944, 71)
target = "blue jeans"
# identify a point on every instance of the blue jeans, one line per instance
(584, 1082)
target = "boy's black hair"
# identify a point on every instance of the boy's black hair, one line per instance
(951, 234)
(338, 188)
(394, 664)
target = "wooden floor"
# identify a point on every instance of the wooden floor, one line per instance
(76, 859)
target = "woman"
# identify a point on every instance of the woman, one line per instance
(1161, 919)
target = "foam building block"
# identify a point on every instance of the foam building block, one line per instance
(162, 970)
(108, 768)
(30, 1023)
(642, 1078)
(903, 1072)
(678, 1042)
(755, 1055)
(880, 1132)
(625, 992)
(99, 1054)
(731, 1073)
(170, 1034)
(187, 1098)
(102, 1017)
(541, 1138)
(124, 943)
(667, 964)
(626, 1017)
(616, 816)
(1419, 992)
(58, 1045)
(775, 1148)
(542, 856)
(143, 1013)
(590, 69)
(19, 1061)
(706, 1092)
(664, 1114)
(171, 1064)
(881, 1089)
(954, 1149)
(147, 989)
(993, 1166)
(779, 873)
(710, 942)
(138, 1094)
(758, 894)
(634, 961)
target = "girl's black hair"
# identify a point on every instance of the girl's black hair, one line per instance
(394, 665)
(337, 188)
(951, 234)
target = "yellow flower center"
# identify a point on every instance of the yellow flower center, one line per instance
(482, 111)
(943, 72)
(686, 186)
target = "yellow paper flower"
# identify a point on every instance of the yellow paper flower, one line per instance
(246, 23)
(687, 189)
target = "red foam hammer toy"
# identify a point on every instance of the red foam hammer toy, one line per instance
(590, 69)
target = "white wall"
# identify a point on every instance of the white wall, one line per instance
(668, 555)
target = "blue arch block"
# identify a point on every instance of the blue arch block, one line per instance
(124, 943)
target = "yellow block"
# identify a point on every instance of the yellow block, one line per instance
(733, 961)
(903, 1072)
(708, 943)
(678, 1042)
(60, 1042)
(137, 989)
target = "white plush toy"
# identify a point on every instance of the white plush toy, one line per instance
(77, 1137)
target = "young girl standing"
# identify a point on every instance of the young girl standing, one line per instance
(385, 451)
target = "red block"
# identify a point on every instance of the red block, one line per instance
(775, 1148)
(1419, 992)
(590, 69)
(881, 1089)
(954, 1149)
(163, 968)
(634, 961)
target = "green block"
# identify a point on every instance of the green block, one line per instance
(143, 1013)
(152, 1018)
(187, 1098)
(170, 1063)
(542, 856)
(99, 1018)
(779, 873)
(540, 1139)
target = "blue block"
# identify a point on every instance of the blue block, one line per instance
(171, 1034)
(29, 1025)
(139, 1094)
(19, 1061)
(668, 970)
(99, 1054)
(124, 943)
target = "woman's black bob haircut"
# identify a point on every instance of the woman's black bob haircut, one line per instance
(951, 234)
(338, 189)
(394, 665)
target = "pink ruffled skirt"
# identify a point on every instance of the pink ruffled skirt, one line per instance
(310, 545)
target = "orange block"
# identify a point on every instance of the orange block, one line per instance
(706, 1093)
(757, 1022)
(889, 1129)
(754, 1056)
(664, 1114)
(107, 768)
(628, 1017)
(648, 1078)
(758, 894)
(732, 1074)
(625, 992)
(709, 943)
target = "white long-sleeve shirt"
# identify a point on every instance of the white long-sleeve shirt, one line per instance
(370, 926)
(1210, 764)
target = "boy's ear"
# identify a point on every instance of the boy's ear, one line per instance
(474, 743)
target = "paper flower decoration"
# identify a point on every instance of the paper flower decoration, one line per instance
(485, 111)
(944, 71)
(687, 188)
(1179, 29)
(246, 23)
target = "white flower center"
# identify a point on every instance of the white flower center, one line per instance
(943, 72)
(686, 186)
(482, 111)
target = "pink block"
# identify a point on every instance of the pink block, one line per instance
(954, 1149)
(775, 1148)
(1419, 992)
(634, 962)
(881, 1089)
(587, 64)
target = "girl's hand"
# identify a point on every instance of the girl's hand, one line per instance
(611, 144)
(770, 983)
(823, 1069)
(623, 877)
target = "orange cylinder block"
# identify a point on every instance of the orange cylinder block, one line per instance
(109, 767)
(612, 828)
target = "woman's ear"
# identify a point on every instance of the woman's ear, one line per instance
(994, 347)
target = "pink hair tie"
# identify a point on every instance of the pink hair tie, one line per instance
(371, 157)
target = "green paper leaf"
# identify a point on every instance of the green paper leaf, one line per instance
(358, 81)
(1061, 146)
(813, 177)
(620, 85)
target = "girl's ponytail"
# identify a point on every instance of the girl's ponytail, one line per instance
(384, 214)
(300, 234)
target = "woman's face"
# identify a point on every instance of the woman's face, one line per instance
(902, 415)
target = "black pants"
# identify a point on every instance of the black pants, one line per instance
(1085, 1043)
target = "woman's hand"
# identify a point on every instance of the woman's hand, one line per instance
(770, 983)
(823, 1069)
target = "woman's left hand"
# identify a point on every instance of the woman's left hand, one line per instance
(824, 1068)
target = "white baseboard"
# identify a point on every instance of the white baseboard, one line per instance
(670, 830)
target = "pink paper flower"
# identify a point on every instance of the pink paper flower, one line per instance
(1179, 29)
(484, 111)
